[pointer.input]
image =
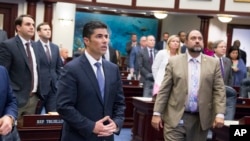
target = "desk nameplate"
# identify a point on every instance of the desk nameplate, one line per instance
(42, 121)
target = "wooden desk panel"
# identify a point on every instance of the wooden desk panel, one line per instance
(142, 129)
(41, 128)
(129, 92)
(242, 108)
(221, 134)
(40, 134)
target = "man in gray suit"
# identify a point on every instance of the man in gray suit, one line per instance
(145, 61)
(19, 56)
(3, 35)
(192, 96)
(220, 48)
(50, 65)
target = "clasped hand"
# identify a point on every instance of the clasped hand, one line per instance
(103, 130)
(5, 125)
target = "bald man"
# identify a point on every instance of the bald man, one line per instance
(64, 53)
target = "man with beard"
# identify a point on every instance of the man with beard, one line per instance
(189, 112)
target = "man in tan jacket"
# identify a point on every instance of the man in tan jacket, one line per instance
(189, 108)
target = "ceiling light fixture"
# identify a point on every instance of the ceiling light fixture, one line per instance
(160, 14)
(225, 18)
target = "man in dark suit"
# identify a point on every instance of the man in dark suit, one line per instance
(129, 45)
(19, 56)
(90, 96)
(64, 53)
(134, 68)
(3, 35)
(111, 55)
(8, 104)
(162, 44)
(192, 96)
(226, 64)
(145, 61)
(50, 65)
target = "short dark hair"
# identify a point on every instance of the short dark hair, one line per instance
(88, 28)
(165, 33)
(191, 31)
(19, 19)
(41, 24)
(231, 49)
(179, 33)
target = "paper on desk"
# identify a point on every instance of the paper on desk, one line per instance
(144, 98)
(231, 122)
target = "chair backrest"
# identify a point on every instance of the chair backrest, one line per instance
(231, 97)
(245, 88)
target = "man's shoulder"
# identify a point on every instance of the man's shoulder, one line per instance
(54, 45)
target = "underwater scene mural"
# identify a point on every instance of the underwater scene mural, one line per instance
(120, 28)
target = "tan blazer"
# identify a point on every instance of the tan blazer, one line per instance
(173, 93)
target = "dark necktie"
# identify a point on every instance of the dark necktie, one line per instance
(151, 57)
(47, 53)
(221, 67)
(30, 62)
(100, 78)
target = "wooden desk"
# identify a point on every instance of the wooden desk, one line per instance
(129, 92)
(41, 128)
(124, 74)
(223, 134)
(142, 129)
(242, 108)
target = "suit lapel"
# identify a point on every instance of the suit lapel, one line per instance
(107, 75)
(22, 50)
(43, 54)
(185, 65)
(203, 68)
(86, 66)
(53, 53)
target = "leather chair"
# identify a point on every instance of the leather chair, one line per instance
(245, 88)
(231, 97)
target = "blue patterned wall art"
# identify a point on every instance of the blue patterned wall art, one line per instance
(120, 26)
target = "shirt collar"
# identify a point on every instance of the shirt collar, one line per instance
(44, 43)
(91, 59)
(23, 40)
(189, 57)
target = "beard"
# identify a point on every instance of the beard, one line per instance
(196, 49)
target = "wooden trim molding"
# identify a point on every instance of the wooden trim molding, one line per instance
(204, 26)
(176, 8)
(48, 12)
(10, 13)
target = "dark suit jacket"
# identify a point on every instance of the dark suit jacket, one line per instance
(144, 64)
(128, 50)
(133, 57)
(3, 35)
(228, 76)
(49, 71)
(8, 104)
(243, 56)
(112, 55)
(13, 57)
(159, 45)
(79, 101)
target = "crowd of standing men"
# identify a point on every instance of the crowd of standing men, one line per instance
(32, 77)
